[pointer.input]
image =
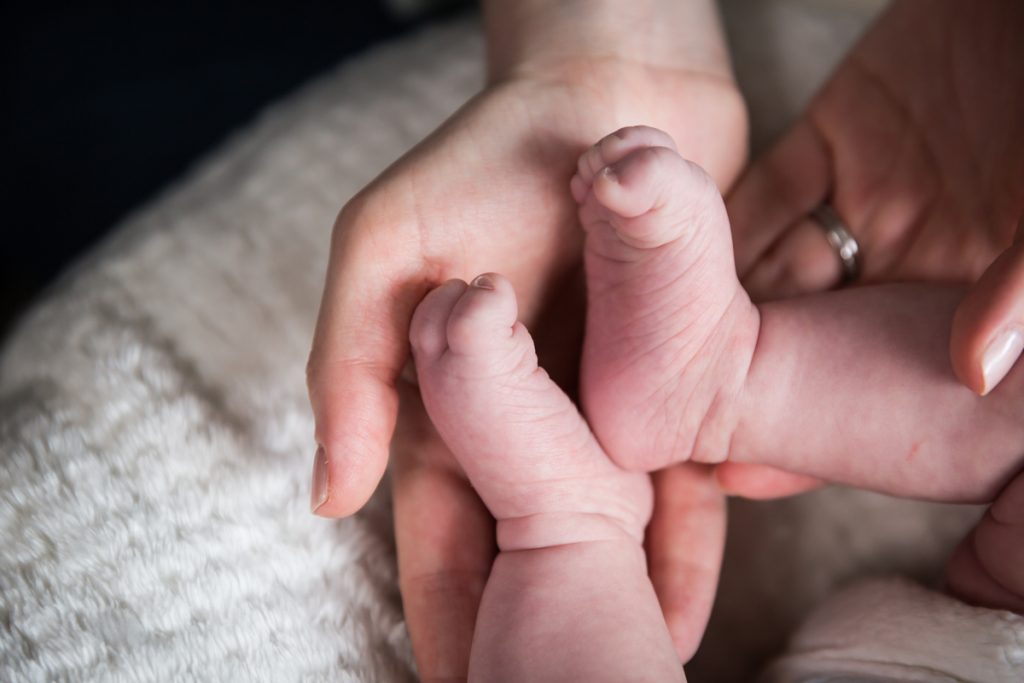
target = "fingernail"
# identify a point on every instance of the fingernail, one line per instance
(318, 494)
(1000, 357)
(609, 173)
(482, 282)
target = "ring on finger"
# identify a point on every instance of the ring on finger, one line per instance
(841, 240)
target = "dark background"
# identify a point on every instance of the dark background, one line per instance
(101, 105)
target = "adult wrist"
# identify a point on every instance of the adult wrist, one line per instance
(540, 37)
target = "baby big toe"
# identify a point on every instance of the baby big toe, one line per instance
(611, 149)
(653, 196)
(483, 322)
(428, 333)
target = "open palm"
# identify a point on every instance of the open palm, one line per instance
(916, 140)
(487, 191)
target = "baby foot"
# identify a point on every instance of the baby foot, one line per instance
(521, 441)
(670, 331)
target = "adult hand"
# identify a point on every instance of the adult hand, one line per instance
(488, 191)
(918, 142)
(988, 329)
(987, 568)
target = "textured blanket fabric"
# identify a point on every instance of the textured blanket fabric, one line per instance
(155, 435)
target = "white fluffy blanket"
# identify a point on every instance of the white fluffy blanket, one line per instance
(155, 438)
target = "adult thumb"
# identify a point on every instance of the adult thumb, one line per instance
(988, 328)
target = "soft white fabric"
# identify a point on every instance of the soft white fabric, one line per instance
(155, 438)
(894, 630)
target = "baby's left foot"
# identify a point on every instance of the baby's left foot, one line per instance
(670, 331)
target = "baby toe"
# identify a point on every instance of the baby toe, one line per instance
(655, 193)
(611, 149)
(483, 320)
(428, 334)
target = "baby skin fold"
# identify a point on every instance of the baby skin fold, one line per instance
(678, 364)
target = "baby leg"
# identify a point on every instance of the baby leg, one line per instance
(852, 386)
(568, 597)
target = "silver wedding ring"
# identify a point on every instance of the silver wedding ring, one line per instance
(841, 239)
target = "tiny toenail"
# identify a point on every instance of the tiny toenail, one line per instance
(482, 282)
(609, 173)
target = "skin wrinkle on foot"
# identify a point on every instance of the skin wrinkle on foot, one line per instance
(736, 358)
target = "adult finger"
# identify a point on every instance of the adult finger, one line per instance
(761, 482)
(988, 328)
(445, 542)
(776, 191)
(685, 540)
(987, 568)
(969, 580)
(802, 261)
(359, 348)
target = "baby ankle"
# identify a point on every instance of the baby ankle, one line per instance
(548, 530)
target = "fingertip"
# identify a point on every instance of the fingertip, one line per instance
(761, 482)
(318, 494)
(966, 342)
(355, 410)
(999, 357)
(344, 482)
(987, 335)
(681, 629)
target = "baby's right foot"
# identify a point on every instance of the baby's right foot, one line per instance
(670, 331)
(520, 440)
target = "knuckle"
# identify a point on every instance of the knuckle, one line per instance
(350, 219)
(363, 221)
